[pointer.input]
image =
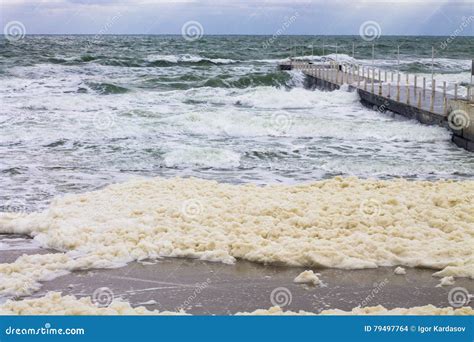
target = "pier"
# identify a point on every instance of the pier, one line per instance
(408, 95)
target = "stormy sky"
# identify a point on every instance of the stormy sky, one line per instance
(399, 17)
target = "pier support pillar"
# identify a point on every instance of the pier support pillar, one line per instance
(461, 122)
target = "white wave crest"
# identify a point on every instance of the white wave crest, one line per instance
(186, 58)
(203, 157)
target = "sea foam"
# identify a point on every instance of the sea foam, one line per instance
(345, 223)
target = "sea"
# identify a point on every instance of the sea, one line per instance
(80, 112)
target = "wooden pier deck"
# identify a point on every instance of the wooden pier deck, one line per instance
(413, 97)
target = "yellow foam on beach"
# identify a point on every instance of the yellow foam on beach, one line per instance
(346, 223)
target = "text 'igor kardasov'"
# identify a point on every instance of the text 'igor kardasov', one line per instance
(441, 328)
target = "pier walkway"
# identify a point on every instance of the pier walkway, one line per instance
(408, 95)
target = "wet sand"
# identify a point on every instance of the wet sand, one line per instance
(202, 287)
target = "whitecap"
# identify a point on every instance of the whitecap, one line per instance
(187, 58)
(202, 157)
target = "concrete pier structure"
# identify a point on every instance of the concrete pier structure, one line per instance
(407, 96)
(461, 122)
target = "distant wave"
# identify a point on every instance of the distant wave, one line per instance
(154, 60)
(275, 79)
(224, 80)
(423, 65)
(186, 58)
(104, 88)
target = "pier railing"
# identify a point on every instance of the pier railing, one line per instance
(412, 89)
(413, 96)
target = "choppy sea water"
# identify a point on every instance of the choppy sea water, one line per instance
(81, 112)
